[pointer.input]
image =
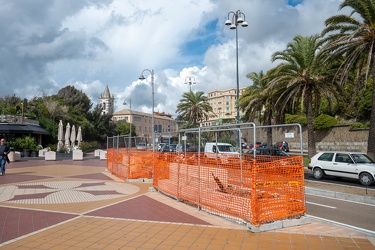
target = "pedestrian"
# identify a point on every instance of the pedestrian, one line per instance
(4, 151)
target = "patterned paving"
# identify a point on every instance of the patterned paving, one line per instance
(145, 208)
(68, 204)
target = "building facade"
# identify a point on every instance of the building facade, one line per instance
(164, 123)
(223, 103)
(107, 102)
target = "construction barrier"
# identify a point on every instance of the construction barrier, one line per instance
(258, 191)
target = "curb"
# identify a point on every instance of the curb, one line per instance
(340, 195)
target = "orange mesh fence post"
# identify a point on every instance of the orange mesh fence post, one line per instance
(110, 159)
(141, 166)
(166, 173)
(277, 189)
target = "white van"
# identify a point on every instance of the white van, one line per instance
(220, 150)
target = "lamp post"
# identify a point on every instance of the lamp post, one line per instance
(152, 121)
(130, 117)
(237, 18)
(190, 80)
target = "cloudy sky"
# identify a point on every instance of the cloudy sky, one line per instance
(48, 44)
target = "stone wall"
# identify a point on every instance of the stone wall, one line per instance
(337, 138)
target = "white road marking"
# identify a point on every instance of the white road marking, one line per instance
(372, 233)
(317, 204)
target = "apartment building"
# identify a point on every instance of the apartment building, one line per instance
(164, 123)
(223, 103)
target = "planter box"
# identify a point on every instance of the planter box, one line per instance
(77, 155)
(50, 156)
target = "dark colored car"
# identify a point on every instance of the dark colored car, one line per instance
(268, 151)
(259, 144)
(168, 148)
(282, 145)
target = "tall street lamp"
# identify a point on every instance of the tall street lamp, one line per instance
(153, 122)
(130, 117)
(190, 80)
(237, 18)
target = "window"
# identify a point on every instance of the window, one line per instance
(326, 157)
(343, 158)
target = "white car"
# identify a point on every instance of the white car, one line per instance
(141, 146)
(220, 150)
(343, 164)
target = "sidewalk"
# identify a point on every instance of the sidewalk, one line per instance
(67, 204)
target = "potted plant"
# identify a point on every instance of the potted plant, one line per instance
(24, 145)
(35, 150)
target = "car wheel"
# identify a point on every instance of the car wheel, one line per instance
(366, 179)
(318, 173)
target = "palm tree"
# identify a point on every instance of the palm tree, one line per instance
(258, 103)
(353, 36)
(194, 107)
(302, 78)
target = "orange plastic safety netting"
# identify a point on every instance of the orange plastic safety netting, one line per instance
(257, 191)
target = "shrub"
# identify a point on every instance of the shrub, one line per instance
(359, 125)
(63, 150)
(301, 119)
(23, 143)
(324, 121)
(52, 147)
(87, 146)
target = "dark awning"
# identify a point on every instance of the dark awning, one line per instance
(14, 128)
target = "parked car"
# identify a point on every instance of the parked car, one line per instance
(194, 149)
(343, 164)
(268, 151)
(169, 148)
(258, 144)
(282, 145)
(220, 150)
(160, 146)
(141, 146)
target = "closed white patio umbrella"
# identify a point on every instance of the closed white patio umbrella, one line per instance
(60, 136)
(73, 137)
(67, 135)
(79, 136)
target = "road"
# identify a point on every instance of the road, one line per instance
(357, 215)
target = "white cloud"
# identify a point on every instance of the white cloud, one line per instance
(49, 44)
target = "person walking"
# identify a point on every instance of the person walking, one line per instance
(4, 151)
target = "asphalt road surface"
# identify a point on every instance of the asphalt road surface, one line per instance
(357, 215)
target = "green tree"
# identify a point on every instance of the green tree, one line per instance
(194, 107)
(98, 125)
(123, 128)
(257, 102)
(353, 36)
(78, 101)
(304, 78)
